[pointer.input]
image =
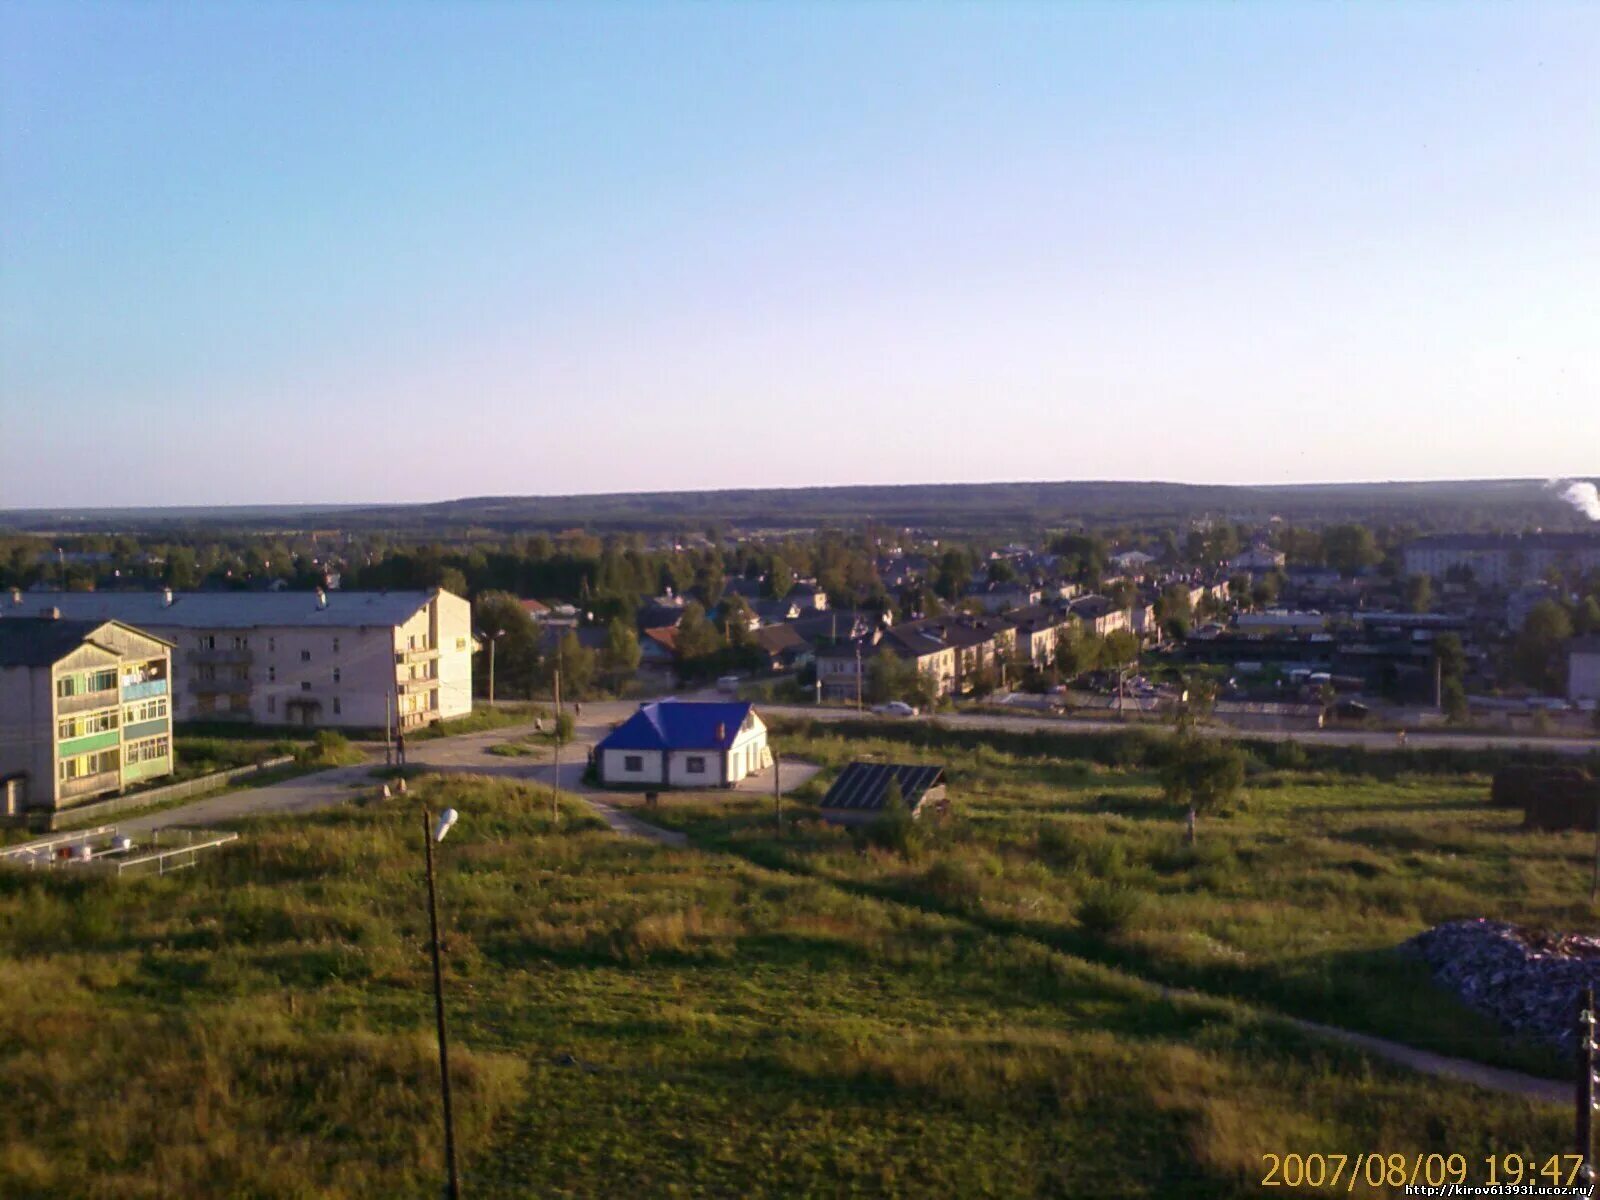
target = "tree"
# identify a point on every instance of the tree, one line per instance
(1419, 593)
(954, 573)
(1174, 611)
(621, 655)
(698, 639)
(1535, 654)
(1204, 774)
(894, 828)
(1453, 700)
(1083, 556)
(1350, 548)
(500, 617)
(577, 663)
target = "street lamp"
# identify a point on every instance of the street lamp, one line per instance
(492, 638)
(434, 831)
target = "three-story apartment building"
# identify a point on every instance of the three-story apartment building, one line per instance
(358, 660)
(85, 710)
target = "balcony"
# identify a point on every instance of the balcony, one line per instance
(416, 686)
(86, 785)
(145, 690)
(67, 706)
(406, 657)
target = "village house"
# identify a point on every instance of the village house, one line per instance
(684, 744)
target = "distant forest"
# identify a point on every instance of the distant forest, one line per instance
(975, 508)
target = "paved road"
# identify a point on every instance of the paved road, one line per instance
(1420, 740)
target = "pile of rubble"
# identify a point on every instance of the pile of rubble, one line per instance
(1527, 980)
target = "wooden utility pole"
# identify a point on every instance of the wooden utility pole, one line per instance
(494, 637)
(388, 735)
(555, 786)
(777, 793)
(858, 675)
(1594, 882)
(438, 1011)
(1585, 1094)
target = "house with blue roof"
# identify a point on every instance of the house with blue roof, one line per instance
(684, 744)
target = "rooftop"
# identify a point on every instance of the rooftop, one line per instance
(221, 610)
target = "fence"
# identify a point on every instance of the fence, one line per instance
(101, 851)
(70, 818)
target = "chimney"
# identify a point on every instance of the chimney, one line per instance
(50, 613)
(722, 731)
(16, 597)
(322, 598)
(166, 597)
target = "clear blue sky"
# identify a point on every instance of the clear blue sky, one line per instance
(354, 252)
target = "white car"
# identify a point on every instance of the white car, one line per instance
(894, 708)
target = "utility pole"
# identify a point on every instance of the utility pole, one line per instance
(858, 675)
(777, 793)
(438, 1010)
(555, 787)
(1585, 1095)
(388, 736)
(492, 640)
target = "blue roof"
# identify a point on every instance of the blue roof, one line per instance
(679, 725)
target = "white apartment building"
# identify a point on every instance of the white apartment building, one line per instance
(1503, 559)
(325, 659)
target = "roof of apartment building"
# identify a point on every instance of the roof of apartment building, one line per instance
(223, 610)
(41, 641)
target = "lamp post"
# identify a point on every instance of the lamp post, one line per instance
(492, 639)
(434, 832)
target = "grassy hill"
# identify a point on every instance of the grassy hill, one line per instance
(762, 1017)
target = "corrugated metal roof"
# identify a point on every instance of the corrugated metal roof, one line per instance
(679, 725)
(222, 610)
(863, 786)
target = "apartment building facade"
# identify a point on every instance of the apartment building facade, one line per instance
(85, 711)
(358, 660)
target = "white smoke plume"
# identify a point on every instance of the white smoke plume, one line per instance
(1581, 494)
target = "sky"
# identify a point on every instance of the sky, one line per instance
(307, 252)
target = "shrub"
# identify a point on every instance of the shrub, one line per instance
(1108, 909)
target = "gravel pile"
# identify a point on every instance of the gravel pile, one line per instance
(1527, 980)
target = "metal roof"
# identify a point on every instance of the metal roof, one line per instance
(863, 786)
(41, 641)
(222, 610)
(679, 725)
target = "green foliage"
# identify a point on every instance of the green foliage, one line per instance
(1536, 654)
(894, 828)
(1350, 548)
(1107, 909)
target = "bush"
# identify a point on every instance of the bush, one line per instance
(1107, 909)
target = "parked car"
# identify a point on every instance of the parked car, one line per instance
(894, 708)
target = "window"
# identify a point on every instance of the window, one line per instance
(336, 709)
(272, 704)
(305, 656)
(103, 681)
(633, 762)
(272, 645)
(206, 641)
(241, 643)
(336, 674)
(147, 751)
(272, 674)
(336, 645)
(305, 685)
(696, 764)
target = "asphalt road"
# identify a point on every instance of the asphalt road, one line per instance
(1421, 740)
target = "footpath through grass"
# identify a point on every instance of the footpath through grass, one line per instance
(1296, 898)
(629, 1016)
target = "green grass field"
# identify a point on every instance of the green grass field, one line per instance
(756, 1017)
